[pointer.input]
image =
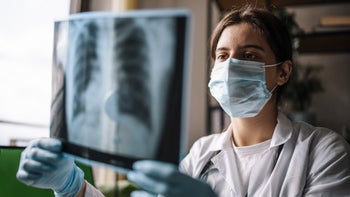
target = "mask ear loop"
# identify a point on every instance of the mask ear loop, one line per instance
(273, 89)
(272, 65)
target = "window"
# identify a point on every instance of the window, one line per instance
(25, 67)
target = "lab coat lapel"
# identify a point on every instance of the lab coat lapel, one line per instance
(269, 172)
(225, 163)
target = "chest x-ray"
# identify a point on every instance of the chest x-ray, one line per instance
(118, 91)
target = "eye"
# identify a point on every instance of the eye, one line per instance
(221, 57)
(250, 56)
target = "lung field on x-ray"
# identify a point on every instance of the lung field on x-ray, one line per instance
(85, 65)
(132, 70)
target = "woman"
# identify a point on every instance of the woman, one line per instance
(262, 153)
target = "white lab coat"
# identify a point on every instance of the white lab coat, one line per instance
(302, 161)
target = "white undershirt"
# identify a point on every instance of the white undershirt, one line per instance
(247, 156)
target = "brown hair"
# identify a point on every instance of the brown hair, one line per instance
(273, 29)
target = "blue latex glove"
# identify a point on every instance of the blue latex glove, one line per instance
(43, 165)
(165, 179)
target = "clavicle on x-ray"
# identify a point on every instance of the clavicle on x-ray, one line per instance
(119, 78)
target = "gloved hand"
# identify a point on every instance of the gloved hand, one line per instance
(43, 165)
(165, 179)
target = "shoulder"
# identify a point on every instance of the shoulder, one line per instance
(328, 159)
(209, 141)
(320, 140)
(319, 136)
(201, 152)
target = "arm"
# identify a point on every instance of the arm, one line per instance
(82, 190)
(88, 190)
(329, 173)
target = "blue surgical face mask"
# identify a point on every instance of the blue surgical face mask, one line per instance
(240, 87)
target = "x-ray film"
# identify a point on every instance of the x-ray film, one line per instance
(119, 86)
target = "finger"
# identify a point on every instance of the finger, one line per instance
(156, 169)
(140, 193)
(32, 166)
(50, 144)
(43, 156)
(148, 183)
(26, 177)
(162, 171)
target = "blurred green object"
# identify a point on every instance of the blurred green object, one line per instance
(122, 189)
(10, 186)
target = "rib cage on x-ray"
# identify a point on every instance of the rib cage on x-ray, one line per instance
(118, 76)
(85, 66)
(132, 70)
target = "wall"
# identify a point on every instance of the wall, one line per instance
(331, 106)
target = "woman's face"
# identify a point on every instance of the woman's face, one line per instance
(244, 42)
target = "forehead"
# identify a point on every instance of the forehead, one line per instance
(242, 34)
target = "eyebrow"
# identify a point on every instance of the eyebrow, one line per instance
(222, 49)
(252, 46)
(241, 47)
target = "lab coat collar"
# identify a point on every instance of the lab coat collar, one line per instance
(283, 130)
(282, 133)
(223, 142)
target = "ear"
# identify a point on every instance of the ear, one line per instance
(284, 72)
